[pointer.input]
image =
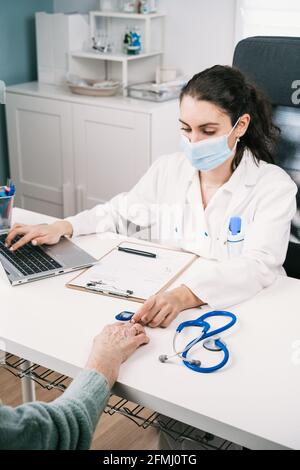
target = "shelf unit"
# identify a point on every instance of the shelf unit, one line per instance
(147, 19)
(114, 57)
(123, 58)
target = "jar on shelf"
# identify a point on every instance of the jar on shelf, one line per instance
(129, 6)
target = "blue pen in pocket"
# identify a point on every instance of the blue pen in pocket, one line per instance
(235, 236)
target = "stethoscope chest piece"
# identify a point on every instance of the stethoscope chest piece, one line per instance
(211, 345)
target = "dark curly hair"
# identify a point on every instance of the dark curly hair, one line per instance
(228, 88)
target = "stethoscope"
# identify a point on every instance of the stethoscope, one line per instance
(214, 345)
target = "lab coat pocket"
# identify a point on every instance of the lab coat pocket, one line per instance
(235, 236)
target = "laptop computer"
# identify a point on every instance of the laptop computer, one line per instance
(32, 263)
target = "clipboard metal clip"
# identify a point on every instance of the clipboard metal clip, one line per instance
(102, 287)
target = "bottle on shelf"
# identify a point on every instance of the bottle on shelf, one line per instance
(127, 40)
(143, 7)
(147, 6)
(133, 41)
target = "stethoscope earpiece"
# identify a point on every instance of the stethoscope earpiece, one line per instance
(163, 358)
(195, 363)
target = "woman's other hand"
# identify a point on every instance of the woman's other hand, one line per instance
(162, 309)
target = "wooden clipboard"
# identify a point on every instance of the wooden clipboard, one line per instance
(80, 284)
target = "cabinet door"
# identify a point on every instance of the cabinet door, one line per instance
(112, 152)
(41, 154)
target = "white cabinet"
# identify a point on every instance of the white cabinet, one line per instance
(41, 153)
(68, 153)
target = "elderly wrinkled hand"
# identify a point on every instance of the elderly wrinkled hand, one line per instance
(113, 346)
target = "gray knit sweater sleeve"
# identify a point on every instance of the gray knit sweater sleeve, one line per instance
(66, 423)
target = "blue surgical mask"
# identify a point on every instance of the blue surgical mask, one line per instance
(208, 154)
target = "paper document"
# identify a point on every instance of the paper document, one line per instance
(135, 275)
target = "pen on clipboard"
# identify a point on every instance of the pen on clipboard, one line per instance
(133, 251)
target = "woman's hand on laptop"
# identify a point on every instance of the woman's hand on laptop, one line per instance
(38, 234)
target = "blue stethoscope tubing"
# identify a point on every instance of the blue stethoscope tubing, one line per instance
(200, 322)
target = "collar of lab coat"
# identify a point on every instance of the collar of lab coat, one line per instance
(227, 200)
(246, 173)
(232, 192)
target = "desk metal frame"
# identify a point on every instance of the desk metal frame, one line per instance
(48, 379)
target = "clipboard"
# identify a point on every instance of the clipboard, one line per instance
(130, 276)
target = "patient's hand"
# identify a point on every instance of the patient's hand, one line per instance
(162, 309)
(113, 346)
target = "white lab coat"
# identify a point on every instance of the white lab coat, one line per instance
(262, 194)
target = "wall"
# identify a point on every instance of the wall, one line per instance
(199, 33)
(17, 54)
(81, 6)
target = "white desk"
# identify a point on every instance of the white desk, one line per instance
(253, 402)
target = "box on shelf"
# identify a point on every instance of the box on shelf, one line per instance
(154, 92)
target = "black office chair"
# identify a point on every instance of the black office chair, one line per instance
(273, 63)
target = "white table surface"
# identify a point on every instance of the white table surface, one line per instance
(254, 401)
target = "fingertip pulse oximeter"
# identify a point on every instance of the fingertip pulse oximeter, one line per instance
(124, 316)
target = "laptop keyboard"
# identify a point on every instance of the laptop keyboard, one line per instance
(28, 259)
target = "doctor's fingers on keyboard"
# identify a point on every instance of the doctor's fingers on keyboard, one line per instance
(37, 234)
(28, 235)
(17, 229)
(11, 233)
(23, 241)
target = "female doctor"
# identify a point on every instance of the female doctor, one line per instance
(190, 198)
